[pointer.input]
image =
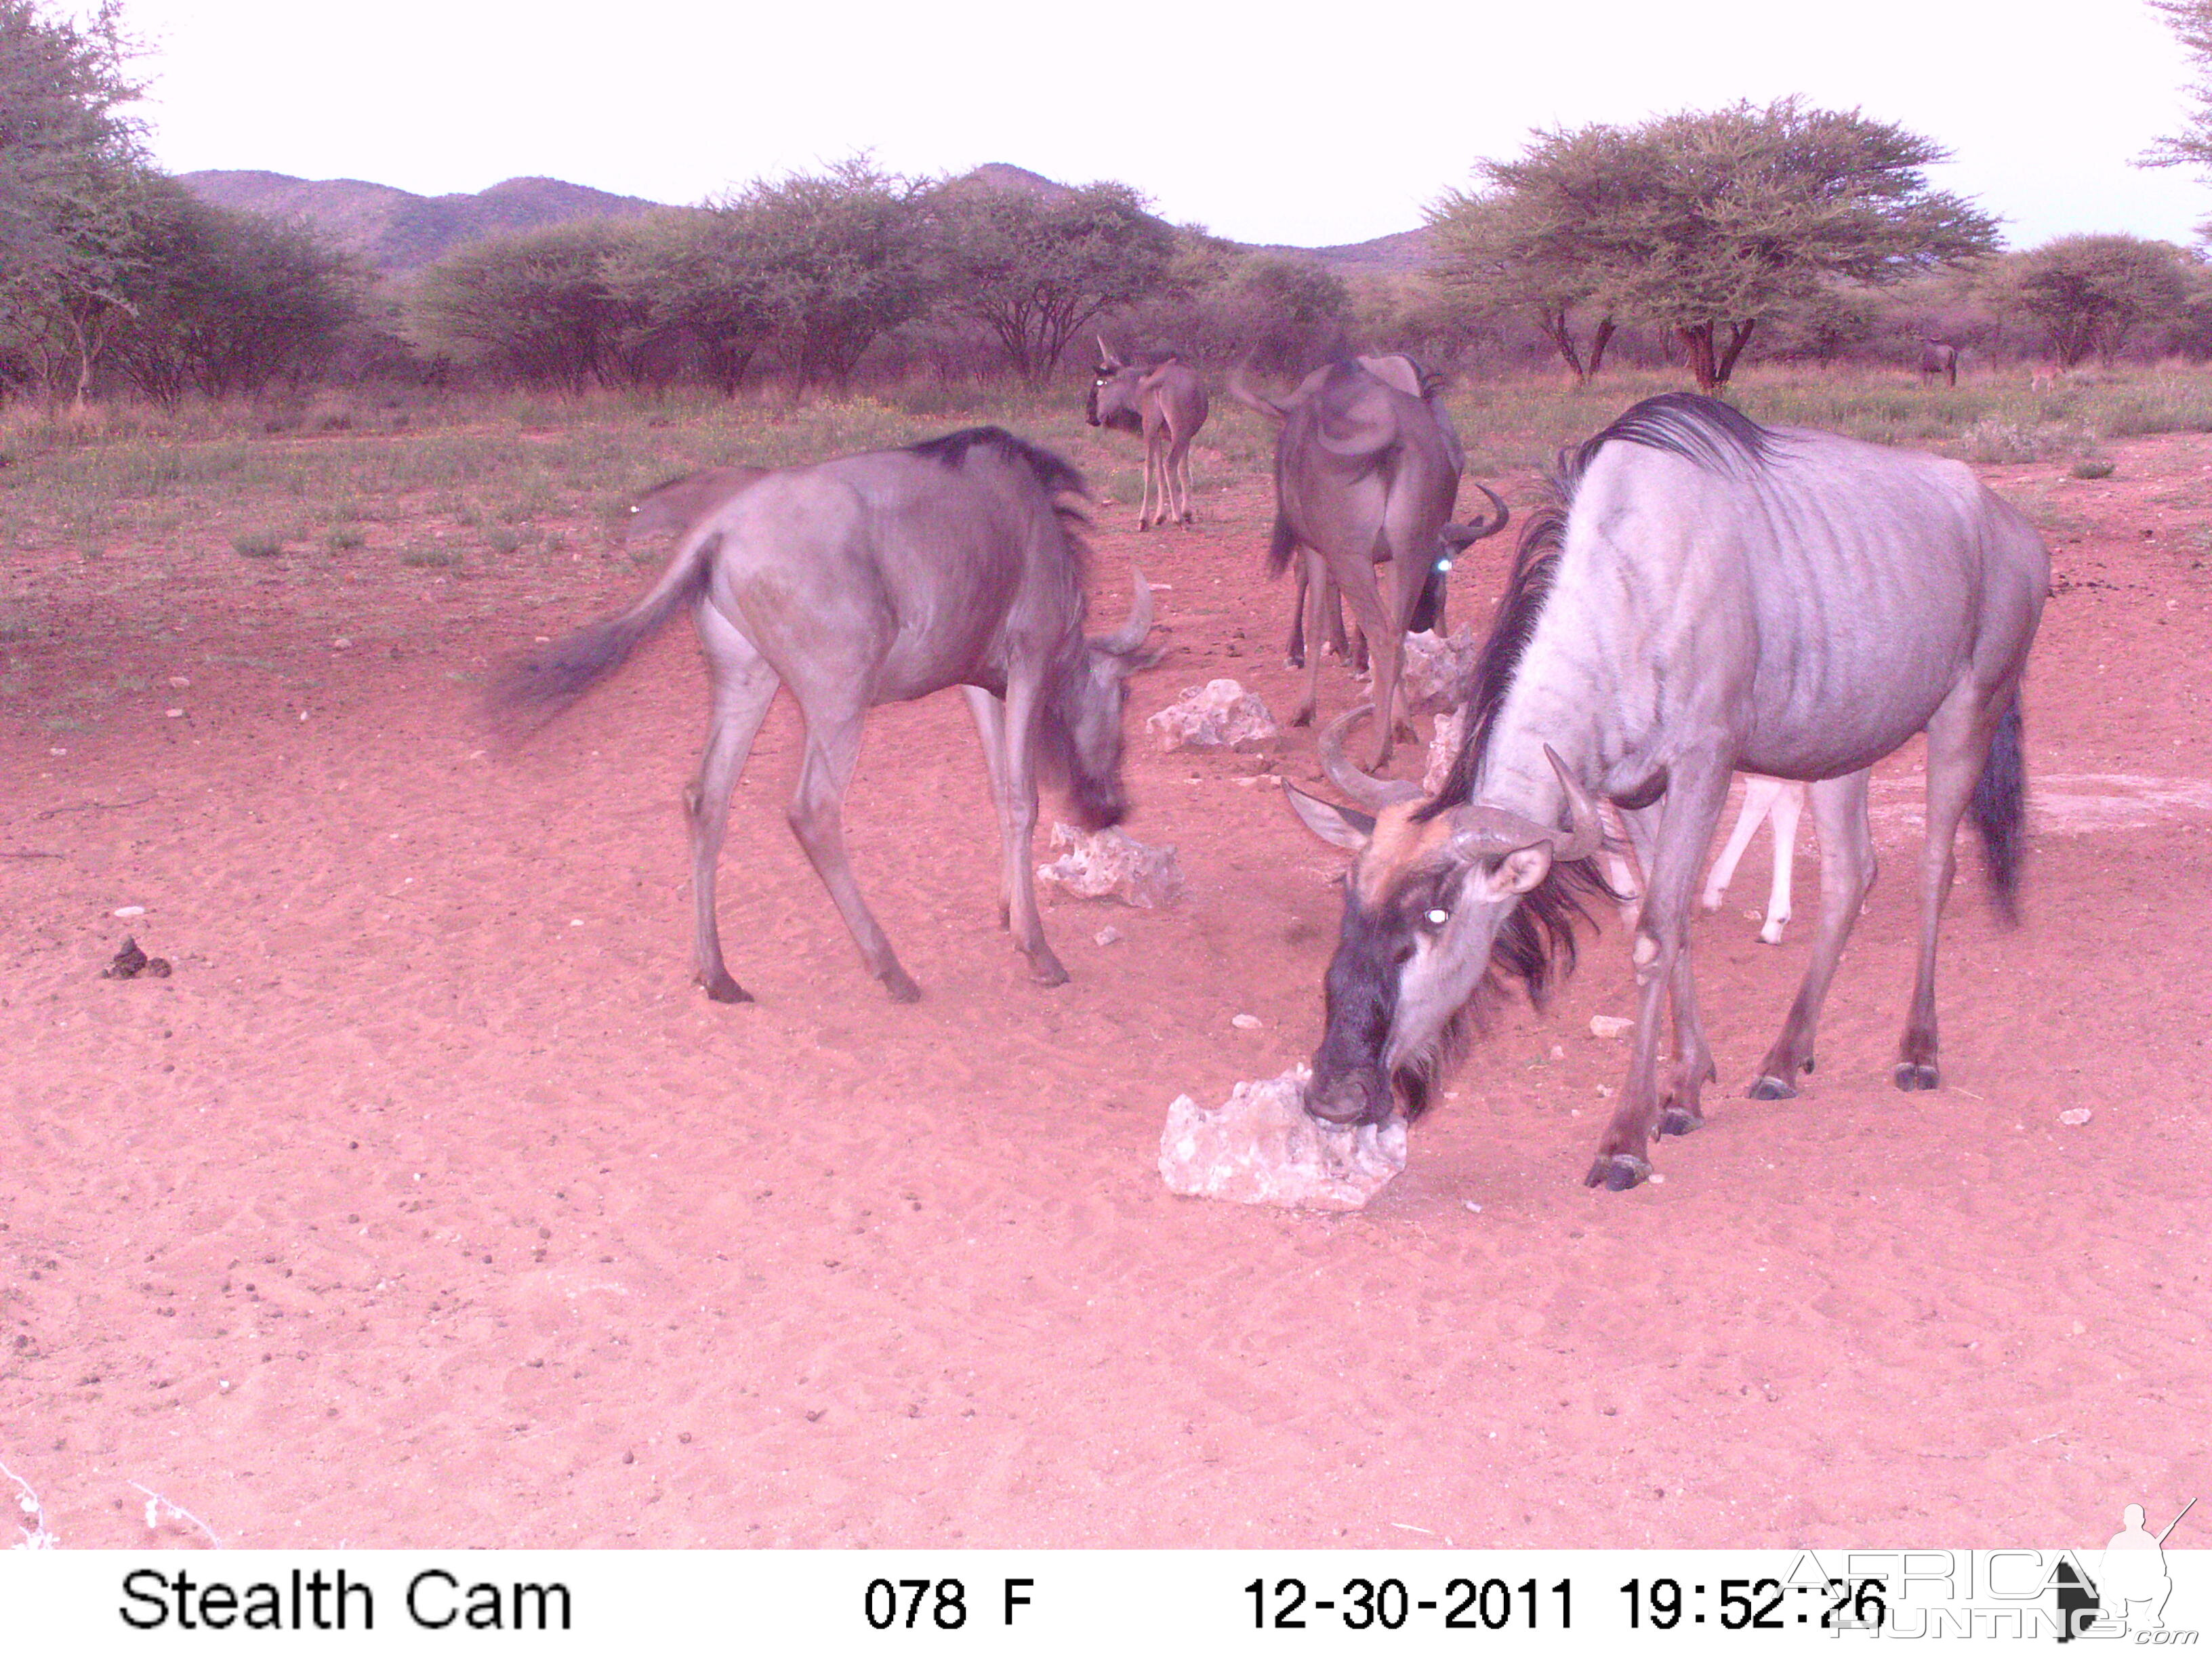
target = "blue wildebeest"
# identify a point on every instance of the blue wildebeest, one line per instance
(1710, 595)
(1367, 468)
(873, 579)
(1939, 358)
(672, 507)
(1163, 398)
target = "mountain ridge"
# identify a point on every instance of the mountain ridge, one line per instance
(395, 231)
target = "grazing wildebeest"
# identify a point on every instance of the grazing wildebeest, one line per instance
(1367, 467)
(1163, 398)
(1939, 358)
(1710, 595)
(873, 579)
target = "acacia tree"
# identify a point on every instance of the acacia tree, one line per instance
(848, 254)
(537, 304)
(1037, 270)
(702, 275)
(74, 187)
(2191, 23)
(1710, 223)
(1521, 244)
(2092, 293)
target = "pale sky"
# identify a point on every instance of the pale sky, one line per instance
(1293, 122)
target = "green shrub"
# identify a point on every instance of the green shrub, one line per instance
(259, 543)
(427, 558)
(2089, 468)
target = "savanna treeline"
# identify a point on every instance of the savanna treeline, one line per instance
(1701, 240)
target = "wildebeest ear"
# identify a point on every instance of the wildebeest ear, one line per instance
(1339, 826)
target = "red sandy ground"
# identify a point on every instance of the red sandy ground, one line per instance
(426, 1204)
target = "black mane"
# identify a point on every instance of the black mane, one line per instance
(1055, 476)
(1703, 431)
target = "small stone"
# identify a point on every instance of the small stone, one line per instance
(1443, 749)
(179, 681)
(131, 910)
(341, 644)
(1558, 1053)
(1110, 865)
(1260, 1146)
(1472, 1205)
(1219, 715)
(2075, 1116)
(1245, 1021)
(1107, 936)
(173, 714)
(1610, 1025)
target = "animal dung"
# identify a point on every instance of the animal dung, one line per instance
(1110, 865)
(1260, 1146)
(130, 961)
(1610, 1025)
(1219, 715)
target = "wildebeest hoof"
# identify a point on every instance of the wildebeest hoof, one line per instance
(1304, 717)
(1047, 972)
(723, 988)
(1679, 1120)
(1771, 1088)
(901, 985)
(1909, 1076)
(1618, 1173)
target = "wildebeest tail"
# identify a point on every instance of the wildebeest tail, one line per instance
(536, 685)
(1999, 810)
(1282, 543)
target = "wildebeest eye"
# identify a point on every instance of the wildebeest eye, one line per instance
(1437, 918)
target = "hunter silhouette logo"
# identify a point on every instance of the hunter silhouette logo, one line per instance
(2131, 1585)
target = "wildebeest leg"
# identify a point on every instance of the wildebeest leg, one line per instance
(1155, 442)
(1384, 642)
(1958, 747)
(991, 726)
(1019, 819)
(744, 687)
(1294, 652)
(1680, 1110)
(1697, 791)
(817, 815)
(1847, 872)
(1179, 468)
(1316, 585)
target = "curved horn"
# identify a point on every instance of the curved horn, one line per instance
(1125, 639)
(1458, 536)
(1107, 360)
(1251, 400)
(1372, 793)
(1488, 831)
(1585, 828)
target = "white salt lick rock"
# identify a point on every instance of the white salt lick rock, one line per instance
(1219, 715)
(1110, 865)
(1260, 1146)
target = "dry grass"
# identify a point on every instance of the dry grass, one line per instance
(518, 479)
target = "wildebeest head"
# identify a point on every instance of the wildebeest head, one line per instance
(1079, 739)
(1433, 902)
(1115, 393)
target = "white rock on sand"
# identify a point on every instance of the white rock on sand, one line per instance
(1434, 672)
(1443, 749)
(1219, 715)
(1259, 1148)
(1110, 865)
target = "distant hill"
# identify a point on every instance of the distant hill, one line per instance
(395, 230)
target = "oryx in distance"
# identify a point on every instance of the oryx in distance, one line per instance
(1710, 595)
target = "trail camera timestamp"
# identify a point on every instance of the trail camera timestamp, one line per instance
(1466, 1603)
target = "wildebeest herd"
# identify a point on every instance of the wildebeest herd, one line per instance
(1702, 595)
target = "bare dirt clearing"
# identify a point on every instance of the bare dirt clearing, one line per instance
(426, 1204)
